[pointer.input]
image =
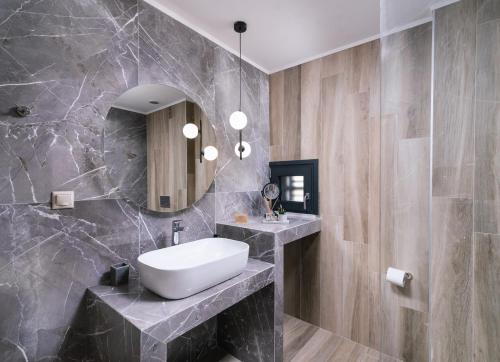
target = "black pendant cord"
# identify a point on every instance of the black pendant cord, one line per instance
(240, 72)
(201, 142)
(240, 27)
(241, 148)
(241, 132)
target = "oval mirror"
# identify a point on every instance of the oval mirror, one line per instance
(159, 148)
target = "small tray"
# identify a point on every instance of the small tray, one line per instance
(283, 222)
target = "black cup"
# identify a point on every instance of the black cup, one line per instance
(119, 274)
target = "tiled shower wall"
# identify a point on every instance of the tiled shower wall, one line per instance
(405, 139)
(486, 258)
(465, 254)
(69, 61)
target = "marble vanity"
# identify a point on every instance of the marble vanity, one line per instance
(267, 243)
(242, 316)
(132, 324)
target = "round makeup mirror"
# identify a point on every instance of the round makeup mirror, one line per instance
(160, 148)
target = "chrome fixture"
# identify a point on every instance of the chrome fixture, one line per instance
(307, 196)
(238, 120)
(176, 229)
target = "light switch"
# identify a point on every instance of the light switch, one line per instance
(63, 199)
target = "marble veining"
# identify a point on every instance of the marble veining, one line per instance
(129, 323)
(162, 318)
(199, 344)
(125, 153)
(69, 61)
(69, 69)
(284, 233)
(266, 243)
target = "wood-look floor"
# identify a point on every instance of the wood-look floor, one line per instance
(304, 342)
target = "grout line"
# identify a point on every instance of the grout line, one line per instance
(431, 173)
(473, 236)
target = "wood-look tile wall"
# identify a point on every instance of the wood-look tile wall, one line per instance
(284, 88)
(486, 295)
(167, 157)
(406, 70)
(465, 258)
(438, 212)
(341, 278)
(452, 183)
(329, 109)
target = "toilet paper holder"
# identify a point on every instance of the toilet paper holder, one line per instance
(398, 277)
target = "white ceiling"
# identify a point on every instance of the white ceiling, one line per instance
(284, 33)
(138, 99)
(398, 14)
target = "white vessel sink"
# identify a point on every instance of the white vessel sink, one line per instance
(183, 270)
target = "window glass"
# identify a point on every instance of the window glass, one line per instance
(292, 188)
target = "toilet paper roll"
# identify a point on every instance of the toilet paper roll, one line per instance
(397, 277)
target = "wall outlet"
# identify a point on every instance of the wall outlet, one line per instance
(63, 200)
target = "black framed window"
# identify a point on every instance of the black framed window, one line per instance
(298, 183)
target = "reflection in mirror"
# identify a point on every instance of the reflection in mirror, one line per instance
(149, 156)
(292, 188)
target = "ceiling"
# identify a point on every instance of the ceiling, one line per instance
(284, 33)
(138, 99)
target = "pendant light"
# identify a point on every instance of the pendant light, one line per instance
(191, 131)
(210, 153)
(238, 120)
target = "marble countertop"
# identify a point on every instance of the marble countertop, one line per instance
(167, 319)
(299, 227)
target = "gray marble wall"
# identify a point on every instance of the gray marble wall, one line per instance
(265, 329)
(126, 154)
(69, 61)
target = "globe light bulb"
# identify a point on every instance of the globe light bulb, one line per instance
(190, 130)
(238, 120)
(246, 152)
(210, 153)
